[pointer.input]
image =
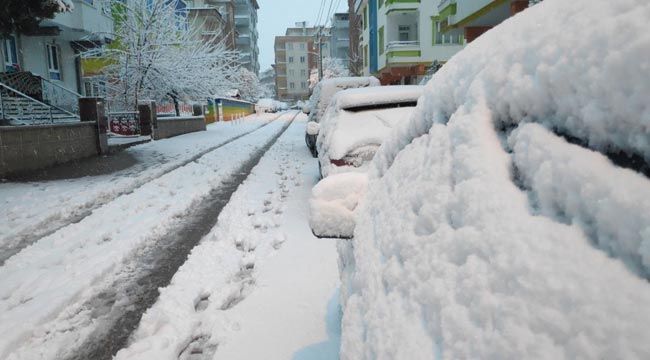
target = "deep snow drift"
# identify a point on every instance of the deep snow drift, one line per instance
(453, 259)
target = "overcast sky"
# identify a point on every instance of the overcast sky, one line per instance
(274, 16)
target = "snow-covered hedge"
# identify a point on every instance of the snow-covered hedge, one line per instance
(452, 259)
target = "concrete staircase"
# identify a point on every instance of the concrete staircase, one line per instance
(17, 108)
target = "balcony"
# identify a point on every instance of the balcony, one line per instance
(86, 18)
(403, 52)
(402, 5)
(242, 20)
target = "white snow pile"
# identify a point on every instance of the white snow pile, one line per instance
(574, 184)
(333, 202)
(451, 259)
(63, 5)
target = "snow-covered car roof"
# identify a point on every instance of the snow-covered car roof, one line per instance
(326, 89)
(377, 95)
(352, 130)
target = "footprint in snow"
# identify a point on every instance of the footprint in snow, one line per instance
(201, 303)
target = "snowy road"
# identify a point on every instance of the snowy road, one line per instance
(70, 193)
(80, 291)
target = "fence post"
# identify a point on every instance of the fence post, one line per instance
(92, 109)
(148, 118)
(197, 109)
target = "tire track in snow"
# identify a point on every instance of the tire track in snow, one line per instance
(51, 225)
(160, 262)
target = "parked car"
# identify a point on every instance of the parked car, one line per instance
(507, 219)
(356, 123)
(321, 97)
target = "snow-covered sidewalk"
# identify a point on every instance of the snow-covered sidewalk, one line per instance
(44, 286)
(63, 201)
(260, 285)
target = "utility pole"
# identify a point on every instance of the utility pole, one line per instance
(320, 54)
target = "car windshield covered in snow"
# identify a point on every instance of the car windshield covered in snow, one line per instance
(357, 122)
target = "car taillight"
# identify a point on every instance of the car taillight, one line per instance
(341, 162)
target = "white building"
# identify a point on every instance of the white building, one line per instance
(398, 43)
(51, 51)
(296, 55)
(247, 36)
(340, 44)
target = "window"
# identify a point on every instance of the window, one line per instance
(365, 55)
(292, 72)
(289, 46)
(302, 59)
(303, 85)
(381, 40)
(290, 59)
(292, 85)
(10, 53)
(303, 72)
(365, 18)
(404, 32)
(302, 46)
(53, 62)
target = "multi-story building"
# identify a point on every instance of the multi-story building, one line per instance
(50, 52)
(215, 18)
(355, 63)
(397, 40)
(470, 19)
(402, 41)
(296, 55)
(340, 32)
(246, 27)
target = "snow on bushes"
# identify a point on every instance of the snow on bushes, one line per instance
(450, 260)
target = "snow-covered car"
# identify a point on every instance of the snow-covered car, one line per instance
(321, 97)
(356, 123)
(510, 218)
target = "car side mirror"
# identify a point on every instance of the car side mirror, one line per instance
(306, 109)
(313, 128)
(333, 204)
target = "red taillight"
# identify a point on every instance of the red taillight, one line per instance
(340, 162)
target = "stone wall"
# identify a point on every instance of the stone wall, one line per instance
(26, 148)
(174, 126)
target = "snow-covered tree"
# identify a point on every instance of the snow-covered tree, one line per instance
(248, 85)
(157, 56)
(332, 68)
(25, 15)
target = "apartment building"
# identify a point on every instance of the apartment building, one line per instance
(296, 55)
(340, 42)
(355, 63)
(247, 35)
(50, 52)
(397, 40)
(470, 19)
(401, 41)
(216, 18)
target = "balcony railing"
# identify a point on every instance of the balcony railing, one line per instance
(402, 51)
(403, 45)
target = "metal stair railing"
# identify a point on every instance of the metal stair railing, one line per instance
(7, 94)
(59, 96)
